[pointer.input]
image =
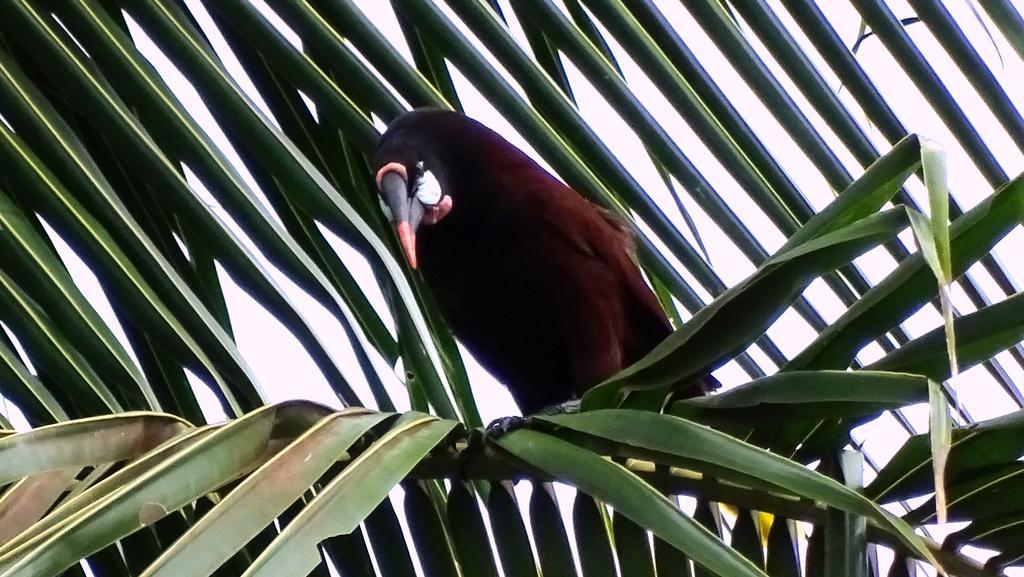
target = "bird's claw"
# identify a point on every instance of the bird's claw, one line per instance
(504, 425)
(566, 408)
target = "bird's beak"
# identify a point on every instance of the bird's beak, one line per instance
(406, 212)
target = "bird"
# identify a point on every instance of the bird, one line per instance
(538, 283)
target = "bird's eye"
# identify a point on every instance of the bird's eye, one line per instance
(385, 208)
(428, 189)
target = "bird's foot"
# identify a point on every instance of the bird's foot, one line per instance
(504, 425)
(565, 408)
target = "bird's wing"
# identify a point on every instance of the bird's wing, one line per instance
(607, 240)
(610, 241)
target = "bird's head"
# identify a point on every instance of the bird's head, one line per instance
(411, 182)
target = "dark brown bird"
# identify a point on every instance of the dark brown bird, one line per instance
(538, 283)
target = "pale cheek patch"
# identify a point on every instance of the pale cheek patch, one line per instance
(428, 189)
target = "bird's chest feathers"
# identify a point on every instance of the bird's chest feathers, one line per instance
(498, 272)
(471, 255)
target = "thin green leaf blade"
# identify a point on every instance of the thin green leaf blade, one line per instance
(63, 445)
(549, 533)
(629, 495)
(632, 547)
(593, 540)
(350, 496)
(509, 529)
(469, 533)
(686, 354)
(262, 496)
(940, 431)
(674, 436)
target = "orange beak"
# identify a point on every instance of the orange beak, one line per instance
(408, 239)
